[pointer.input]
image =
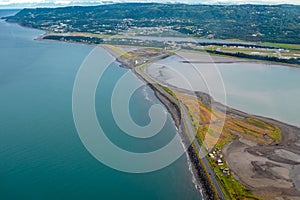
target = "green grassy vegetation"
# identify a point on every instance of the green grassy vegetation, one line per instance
(168, 91)
(292, 53)
(282, 45)
(86, 34)
(252, 129)
(224, 139)
(256, 23)
(243, 50)
(256, 128)
(249, 51)
(256, 53)
(232, 188)
(119, 51)
(211, 132)
(292, 61)
(248, 132)
(258, 123)
(82, 39)
(200, 135)
(276, 135)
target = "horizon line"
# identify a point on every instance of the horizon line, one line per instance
(17, 6)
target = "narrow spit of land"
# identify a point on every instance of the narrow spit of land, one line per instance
(256, 153)
(259, 156)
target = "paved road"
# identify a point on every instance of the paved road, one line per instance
(202, 154)
(190, 133)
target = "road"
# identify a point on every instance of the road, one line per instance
(190, 134)
(202, 154)
(189, 130)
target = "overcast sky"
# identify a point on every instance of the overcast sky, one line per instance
(30, 3)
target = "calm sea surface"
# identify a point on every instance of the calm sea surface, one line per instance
(258, 88)
(41, 155)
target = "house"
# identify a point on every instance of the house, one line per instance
(220, 162)
(212, 155)
(226, 171)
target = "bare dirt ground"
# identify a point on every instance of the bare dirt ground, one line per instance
(271, 171)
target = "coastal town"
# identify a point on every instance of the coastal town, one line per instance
(128, 28)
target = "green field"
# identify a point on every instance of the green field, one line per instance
(282, 45)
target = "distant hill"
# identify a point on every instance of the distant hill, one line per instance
(267, 23)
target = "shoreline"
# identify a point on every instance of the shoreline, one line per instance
(47, 33)
(206, 189)
(170, 106)
(290, 136)
(165, 82)
(175, 116)
(196, 170)
(288, 142)
(239, 59)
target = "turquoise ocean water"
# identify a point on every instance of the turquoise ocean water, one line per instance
(41, 155)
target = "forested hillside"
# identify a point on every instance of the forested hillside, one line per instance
(277, 23)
